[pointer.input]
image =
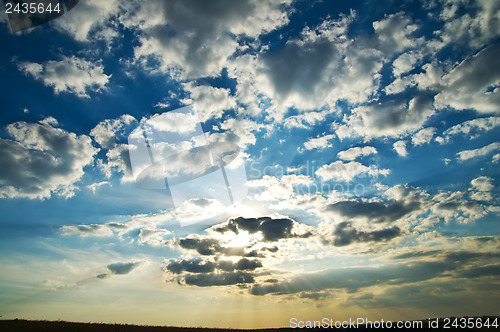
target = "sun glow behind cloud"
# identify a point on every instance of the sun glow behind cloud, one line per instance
(369, 135)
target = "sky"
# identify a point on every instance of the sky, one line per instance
(358, 172)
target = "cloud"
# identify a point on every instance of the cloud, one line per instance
(305, 61)
(405, 62)
(423, 136)
(111, 134)
(70, 74)
(483, 183)
(219, 279)
(305, 120)
(272, 229)
(478, 272)
(153, 237)
(394, 118)
(91, 20)
(394, 33)
(245, 243)
(117, 161)
(485, 150)
(316, 69)
(209, 102)
(473, 84)
(122, 268)
(101, 230)
(140, 228)
(345, 234)
(481, 188)
(395, 204)
(470, 24)
(375, 212)
(240, 131)
(199, 266)
(352, 279)
(400, 148)
(107, 131)
(456, 207)
(278, 189)
(195, 38)
(354, 153)
(95, 186)
(421, 267)
(204, 246)
(319, 143)
(339, 170)
(472, 128)
(429, 79)
(41, 160)
(180, 266)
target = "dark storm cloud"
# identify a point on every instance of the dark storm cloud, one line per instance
(199, 266)
(247, 264)
(219, 279)
(227, 266)
(345, 234)
(209, 246)
(374, 211)
(201, 245)
(122, 268)
(272, 229)
(190, 266)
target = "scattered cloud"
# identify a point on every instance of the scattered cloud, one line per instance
(94, 187)
(472, 128)
(106, 132)
(91, 21)
(42, 160)
(482, 187)
(345, 234)
(101, 230)
(319, 143)
(479, 152)
(70, 74)
(209, 102)
(342, 171)
(196, 39)
(379, 212)
(423, 136)
(400, 148)
(153, 237)
(394, 118)
(122, 268)
(356, 152)
(473, 84)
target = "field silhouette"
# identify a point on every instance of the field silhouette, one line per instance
(21, 325)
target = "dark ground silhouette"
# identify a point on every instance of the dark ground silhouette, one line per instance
(21, 325)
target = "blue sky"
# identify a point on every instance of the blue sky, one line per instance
(367, 170)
